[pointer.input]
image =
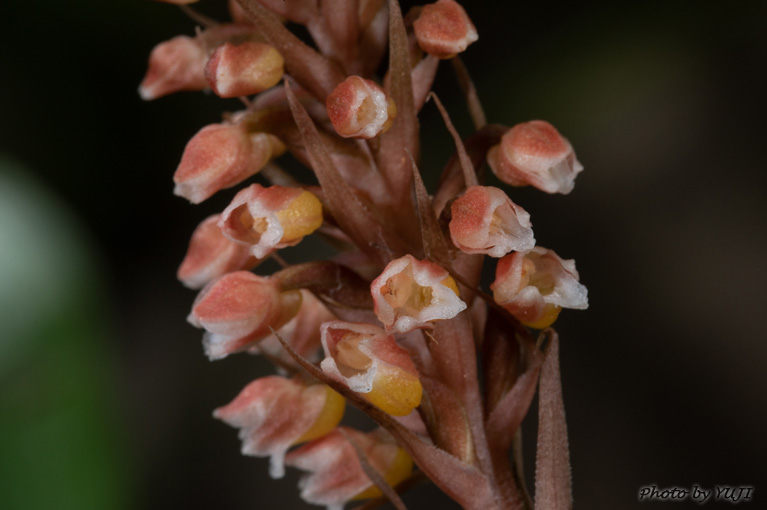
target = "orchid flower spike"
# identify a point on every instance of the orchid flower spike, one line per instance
(369, 362)
(485, 220)
(220, 156)
(534, 153)
(271, 218)
(237, 310)
(444, 29)
(359, 108)
(410, 293)
(336, 475)
(535, 286)
(211, 255)
(274, 413)
(174, 65)
(244, 69)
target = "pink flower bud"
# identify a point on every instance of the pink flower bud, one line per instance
(411, 292)
(336, 475)
(302, 332)
(174, 65)
(485, 220)
(358, 108)
(273, 413)
(220, 156)
(211, 255)
(237, 309)
(244, 69)
(443, 29)
(371, 363)
(534, 153)
(271, 218)
(536, 285)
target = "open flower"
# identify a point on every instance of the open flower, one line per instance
(485, 220)
(274, 413)
(534, 153)
(443, 29)
(359, 108)
(271, 218)
(174, 65)
(237, 310)
(535, 286)
(220, 156)
(336, 475)
(370, 362)
(410, 293)
(211, 255)
(243, 69)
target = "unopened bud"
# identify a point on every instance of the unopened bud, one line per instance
(174, 65)
(534, 153)
(274, 413)
(211, 255)
(243, 69)
(485, 220)
(410, 293)
(220, 156)
(237, 310)
(271, 218)
(370, 362)
(443, 29)
(335, 473)
(359, 108)
(535, 286)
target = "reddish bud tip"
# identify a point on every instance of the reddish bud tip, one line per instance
(211, 255)
(243, 69)
(358, 108)
(485, 220)
(443, 29)
(534, 153)
(174, 65)
(220, 156)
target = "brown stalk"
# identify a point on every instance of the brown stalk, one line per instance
(470, 91)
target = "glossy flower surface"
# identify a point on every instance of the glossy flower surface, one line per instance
(274, 413)
(485, 220)
(534, 153)
(370, 362)
(359, 108)
(410, 293)
(536, 285)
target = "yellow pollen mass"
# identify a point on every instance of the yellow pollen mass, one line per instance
(302, 217)
(329, 417)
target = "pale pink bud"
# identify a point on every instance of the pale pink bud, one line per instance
(271, 218)
(243, 69)
(411, 292)
(485, 220)
(273, 413)
(302, 332)
(536, 285)
(369, 361)
(534, 153)
(335, 473)
(443, 29)
(358, 108)
(237, 310)
(220, 156)
(211, 255)
(174, 65)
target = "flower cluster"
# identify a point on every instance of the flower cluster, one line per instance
(398, 323)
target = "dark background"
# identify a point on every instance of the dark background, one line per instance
(106, 395)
